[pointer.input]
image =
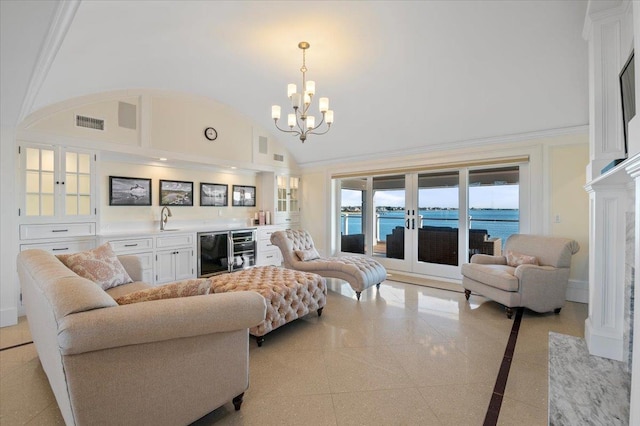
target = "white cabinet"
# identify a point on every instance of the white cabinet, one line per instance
(141, 247)
(287, 209)
(175, 259)
(268, 253)
(57, 183)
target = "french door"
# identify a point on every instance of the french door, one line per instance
(431, 222)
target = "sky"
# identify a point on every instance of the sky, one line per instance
(480, 197)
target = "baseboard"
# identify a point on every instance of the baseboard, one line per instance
(8, 316)
(578, 291)
(602, 344)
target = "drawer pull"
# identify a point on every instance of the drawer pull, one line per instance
(59, 230)
(60, 249)
(131, 245)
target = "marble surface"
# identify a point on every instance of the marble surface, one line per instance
(585, 389)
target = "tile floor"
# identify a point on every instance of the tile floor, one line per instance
(403, 355)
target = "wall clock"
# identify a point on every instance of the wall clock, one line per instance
(210, 133)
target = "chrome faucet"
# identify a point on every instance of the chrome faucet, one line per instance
(164, 217)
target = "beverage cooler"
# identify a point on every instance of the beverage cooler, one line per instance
(226, 251)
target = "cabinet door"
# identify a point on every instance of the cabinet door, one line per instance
(57, 182)
(183, 264)
(165, 266)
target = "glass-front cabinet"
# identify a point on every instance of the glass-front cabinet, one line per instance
(287, 199)
(58, 183)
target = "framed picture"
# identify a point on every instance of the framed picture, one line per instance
(128, 191)
(176, 193)
(214, 194)
(244, 196)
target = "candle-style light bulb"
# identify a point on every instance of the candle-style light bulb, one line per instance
(328, 116)
(311, 88)
(275, 112)
(323, 104)
(291, 89)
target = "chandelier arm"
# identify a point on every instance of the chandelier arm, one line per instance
(295, 132)
(320, 133)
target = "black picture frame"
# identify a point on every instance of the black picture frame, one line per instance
(627, 97)
(129, 191)
(176, 193)
(244, 196)
(214, 194)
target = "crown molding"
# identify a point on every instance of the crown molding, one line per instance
(451, 146)
(608, 10)
(60, 24)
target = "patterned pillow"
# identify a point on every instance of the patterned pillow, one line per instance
(192, 287)
(308, 254)
(516, 259)
(100, 265)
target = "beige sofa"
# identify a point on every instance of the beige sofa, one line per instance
(162, 362)
(540, 285)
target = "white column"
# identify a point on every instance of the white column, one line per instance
(604, 326)
(634, 170)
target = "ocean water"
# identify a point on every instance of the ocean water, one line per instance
(499, 223)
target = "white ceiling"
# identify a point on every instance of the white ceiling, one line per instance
(401, 76)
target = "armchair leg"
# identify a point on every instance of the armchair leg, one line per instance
(509, 312)
(259, 340)
(237, 401)
(378, 286)
(358, 295)
(467, 293)
(320, 311)
(557, 310)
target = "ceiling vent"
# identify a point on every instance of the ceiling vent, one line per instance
(278, 157)
(89, 122)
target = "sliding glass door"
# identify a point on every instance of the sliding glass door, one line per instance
(430, 222)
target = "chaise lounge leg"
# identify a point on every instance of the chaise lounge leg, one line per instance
(557, 310)
(358, 295)
(509, 312)
(259, 340)
(237, 401)
(320, 311)
(467, 293)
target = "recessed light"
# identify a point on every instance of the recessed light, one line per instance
(162, 159)
(233, 167)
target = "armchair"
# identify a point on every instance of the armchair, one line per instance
(533, 274)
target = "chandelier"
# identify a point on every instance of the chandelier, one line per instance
(300, 122)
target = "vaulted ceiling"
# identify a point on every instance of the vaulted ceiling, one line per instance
(401, 76)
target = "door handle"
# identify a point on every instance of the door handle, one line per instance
(413, 224)
(407, 224)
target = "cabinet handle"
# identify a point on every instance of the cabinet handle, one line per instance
(60, 249)
(131, 245)
(59, 230)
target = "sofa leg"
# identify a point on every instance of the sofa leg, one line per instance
(358, 295)
(557, 310)
(467, 293)
(237, 401)
(378, 286)
(509, 312)
(259, 340)
(320, 311)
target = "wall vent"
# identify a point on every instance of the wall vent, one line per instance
(278, 157)
(89, 122)
(263, 145)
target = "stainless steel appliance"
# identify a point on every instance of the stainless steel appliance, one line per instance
(226, 251)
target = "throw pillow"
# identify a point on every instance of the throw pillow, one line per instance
(100, 265)
(192, 287)
(308, 254)
(516, 259)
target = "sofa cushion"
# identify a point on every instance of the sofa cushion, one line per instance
(309, 254)
(100, 265)
(500, 276)
(192, 287)
(516, 259)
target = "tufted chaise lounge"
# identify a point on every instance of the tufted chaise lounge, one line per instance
(360, 272)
